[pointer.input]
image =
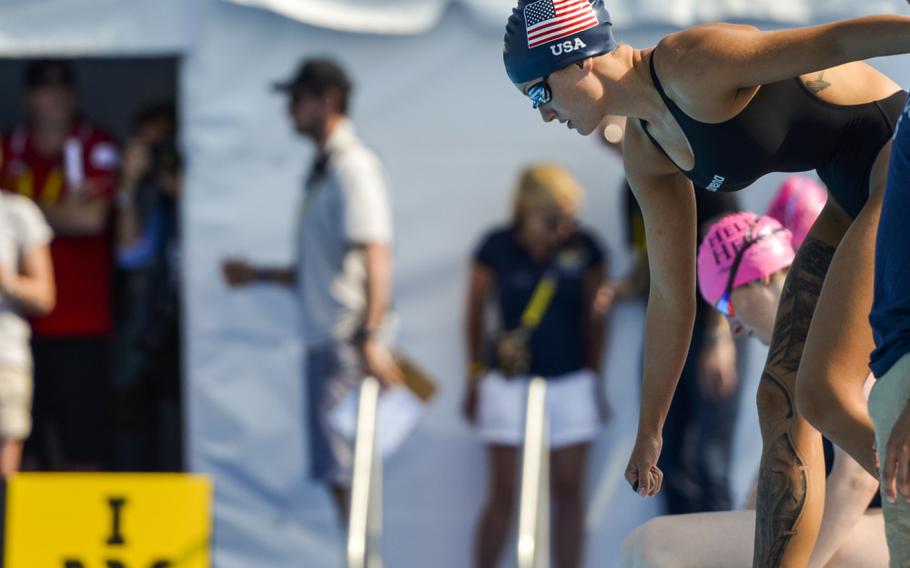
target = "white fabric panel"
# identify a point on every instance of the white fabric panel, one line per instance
(369, 16)
(417, 16)
(95, 27)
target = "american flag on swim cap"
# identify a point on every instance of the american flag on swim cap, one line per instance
(551, 20)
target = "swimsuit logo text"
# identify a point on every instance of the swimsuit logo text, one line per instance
(716, 183)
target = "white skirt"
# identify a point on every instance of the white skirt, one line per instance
(572, 410)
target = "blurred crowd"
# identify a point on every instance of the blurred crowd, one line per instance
(89, 285)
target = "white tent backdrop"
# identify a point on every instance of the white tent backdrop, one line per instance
(433, 100)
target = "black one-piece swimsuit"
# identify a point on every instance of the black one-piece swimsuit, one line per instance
(785, 128)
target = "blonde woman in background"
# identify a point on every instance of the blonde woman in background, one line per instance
(542, 257)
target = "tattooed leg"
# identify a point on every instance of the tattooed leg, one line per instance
(791, 478)
(782, 483)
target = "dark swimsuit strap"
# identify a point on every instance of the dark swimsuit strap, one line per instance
(669, 103)
(660, 88)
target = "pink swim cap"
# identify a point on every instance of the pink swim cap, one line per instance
(771, 253)
(797, 204)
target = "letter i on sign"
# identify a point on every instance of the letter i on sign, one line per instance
(116, 504)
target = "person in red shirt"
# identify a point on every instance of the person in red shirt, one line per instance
(67, 166)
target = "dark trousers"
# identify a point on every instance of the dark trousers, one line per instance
(72, 406)
(698, 443)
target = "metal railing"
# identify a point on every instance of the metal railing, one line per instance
(365, 522)
(534, 506)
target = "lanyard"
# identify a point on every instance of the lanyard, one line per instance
(540, 301)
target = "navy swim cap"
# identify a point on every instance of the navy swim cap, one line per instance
(543, 36)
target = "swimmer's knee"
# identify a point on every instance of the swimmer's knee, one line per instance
(645, 547)
(631, 550)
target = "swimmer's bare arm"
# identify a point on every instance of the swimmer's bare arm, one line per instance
(667, 203)
(723, 57)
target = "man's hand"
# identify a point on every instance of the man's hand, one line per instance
(896, 461)
(717, 378)
(642, 472)
(238, 272)
(378, 361)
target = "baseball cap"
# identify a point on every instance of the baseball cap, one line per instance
(315, 74)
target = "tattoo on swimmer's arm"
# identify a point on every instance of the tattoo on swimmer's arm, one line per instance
(818, 84)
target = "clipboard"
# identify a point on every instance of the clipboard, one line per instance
(415, 379)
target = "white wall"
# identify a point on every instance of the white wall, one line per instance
(452, 132)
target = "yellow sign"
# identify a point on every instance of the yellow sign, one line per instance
(107, 521)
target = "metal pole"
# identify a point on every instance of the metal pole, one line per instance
(365, 522)
(534, 506)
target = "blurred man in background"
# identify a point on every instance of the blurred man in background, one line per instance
(343, 272)
(67, 165)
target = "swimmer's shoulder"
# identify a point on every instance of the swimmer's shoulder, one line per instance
(692, 67)
(680, 48)
(687, 54)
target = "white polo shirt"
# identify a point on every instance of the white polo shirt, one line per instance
(347, 206)
(22, 228)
